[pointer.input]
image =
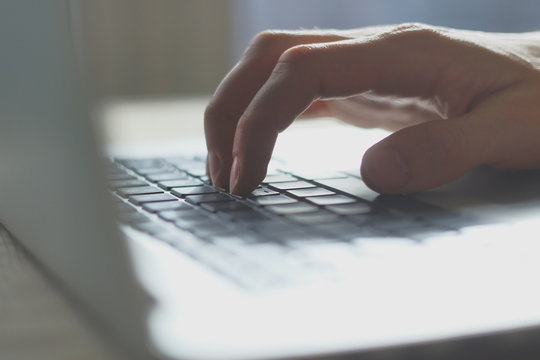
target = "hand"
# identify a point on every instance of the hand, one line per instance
(456, 100)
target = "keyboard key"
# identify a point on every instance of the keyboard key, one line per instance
(318, 191)
(142, 199)
(141, 163)
(194, 167)
(196, 171)
(262, 191)
(274, 200)
(163, 206)
(193, 190)
(120, 176)
(278, 178)
(291, 185)
(152, 171)
(138, 190)
(171, 184)
(167, 176)
(226, 206)
(353, 186)
(127, 183)
(208, 198)
(296, 208)
(330, 200)
(351, 209)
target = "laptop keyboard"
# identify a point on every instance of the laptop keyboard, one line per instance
(294, 228)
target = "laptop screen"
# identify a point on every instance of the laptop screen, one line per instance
(52, 197)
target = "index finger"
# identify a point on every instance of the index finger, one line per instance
(239, 87)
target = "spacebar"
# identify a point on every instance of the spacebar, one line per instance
(353, 186)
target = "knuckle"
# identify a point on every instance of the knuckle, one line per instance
(269, 41)
(414, 32)
(298, 53)
(410, 26)
(295, 58)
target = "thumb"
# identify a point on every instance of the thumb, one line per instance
(424, 156)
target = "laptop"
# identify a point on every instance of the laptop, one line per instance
(317, 266)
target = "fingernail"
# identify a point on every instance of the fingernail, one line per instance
(385, 171)
(235, 174)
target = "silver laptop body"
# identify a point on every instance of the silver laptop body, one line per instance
(468, 294)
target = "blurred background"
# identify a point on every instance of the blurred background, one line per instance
(184, 47)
